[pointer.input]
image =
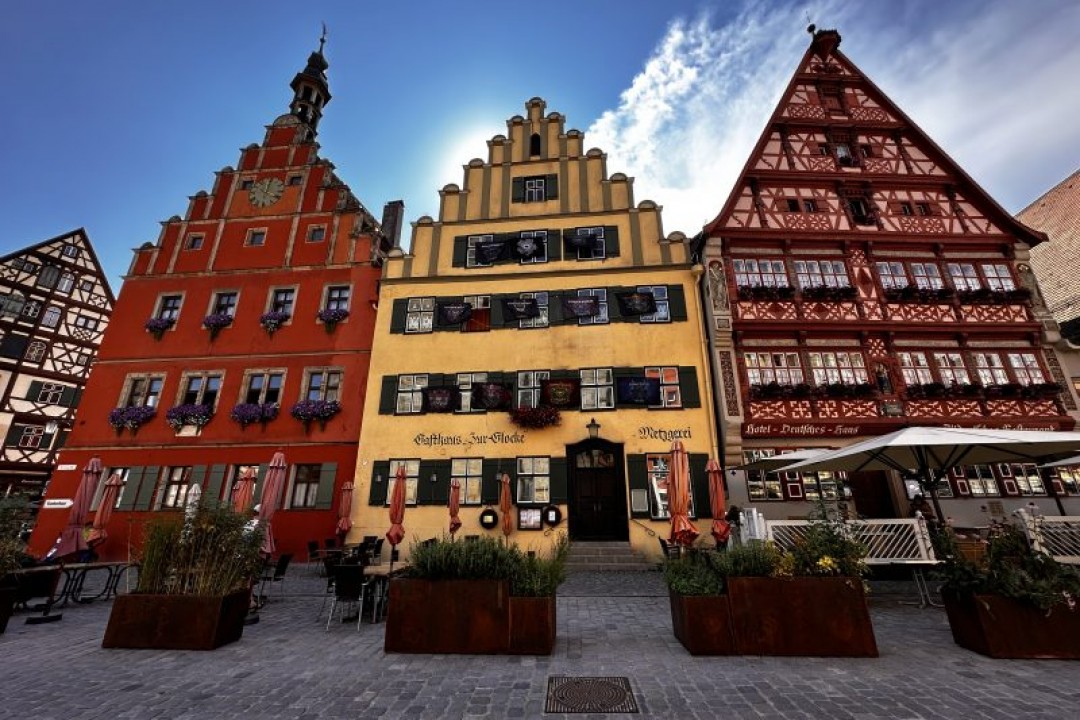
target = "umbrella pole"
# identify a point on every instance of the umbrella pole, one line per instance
(931, 485)
(1048, 483)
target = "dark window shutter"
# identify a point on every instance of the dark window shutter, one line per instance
(440, 489)
(497, 320)
(147, 487)
(397, 317)
(67, 397)
(217, 479)
(551, 186)
(46, 441)
(78, 396)
(198, 475)
(424, 487)
(324, 496)
(555, 316)
(560, 492)
(699, 485)
(614, 310)
(380, 481)
(461, 249)
(34, 391)
(517, 190)
(554, 245)
(676, 303)
(489, 481)
(62, 440)
(638, 479)
(688, 387)
(611, 241)
(388, 396)
(14, 346)
(131, 488)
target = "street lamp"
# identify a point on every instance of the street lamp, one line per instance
(594, 429)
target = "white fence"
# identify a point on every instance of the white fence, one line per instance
(1055, 535)
(889, 542)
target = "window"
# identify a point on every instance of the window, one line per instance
(820, 485)
(989, 368)
(468, 472)
(31, 309)
(282, 300)
(66, 283)
(534, 189)
(860, 211)
(337, 297)
(534, 144)
(1028, 481)
(48, 277)
(122, 472)
(533, 480)
(143, 390)
(528, 387)
(792, 205)
(410, 394)
(657, 468)
(35, 351)
(169, 307)
(480, 317)
(924, 209)
(951, 368)
(201, 389)
(810, 206)
(670, 393)
(12, 305)
(82, 358)
(760, 273)
(25, 265)
(843, 154)
(981, 480)
(1070, 478)
(50, 393)
(246, 184)
(296, 179)
(412, 472)
(264, 387)
(1026, 368)
(305, 487)
(905, 209)
(782, 368)
(225, 303)
(821, 273)
(32, 436)
(963, 276)
(914, 368)
(471, 258)
(839, 367)
(51, 318)
(70, 251)
(175, 491)
(316, 234)
(601, 317)
(541, 254)
(597, 250)
(760, 485)
(830, 98)
(238, 471)
(663, 308)
(465, 382)
(420, 315)
(866, 150)
(86, 323)
(193, 242)
(256, 238)
(597, 389)
(892, 275)
(927, 276)
(323, 385)
(541, 320)
(86, 285)
(998, 277)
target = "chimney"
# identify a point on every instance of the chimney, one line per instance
(392, 215)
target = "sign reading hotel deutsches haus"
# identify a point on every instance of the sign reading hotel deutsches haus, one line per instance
(543, 284)
(822, 430)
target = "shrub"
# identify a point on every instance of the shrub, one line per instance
(491, 559)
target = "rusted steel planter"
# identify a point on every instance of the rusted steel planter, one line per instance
(1001, 627)
(176, 622)
(7, 604)
(702, 623)
(468, 617)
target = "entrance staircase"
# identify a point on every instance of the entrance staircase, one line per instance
(606, 557)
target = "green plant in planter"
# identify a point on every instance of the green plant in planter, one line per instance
(490, 559)
(14, 512)
(705, 572)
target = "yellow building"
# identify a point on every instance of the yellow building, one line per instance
(541, 284)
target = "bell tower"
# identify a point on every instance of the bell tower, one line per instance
(311, 92)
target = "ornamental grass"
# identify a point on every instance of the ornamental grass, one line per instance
(529, 575)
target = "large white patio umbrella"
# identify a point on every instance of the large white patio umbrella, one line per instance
(775, 462)
(933, 450)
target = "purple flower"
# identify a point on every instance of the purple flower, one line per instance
(247, 413)
(322, 410)
(188, 414)
(131, 418)
(273, 320)
(332, 316)
(216, 321)
(158, 325)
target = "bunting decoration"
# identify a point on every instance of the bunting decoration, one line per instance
(639, 390)
(454, 313)
(561, 394)
(490, 251)
(580, 306)
(521, 309)
(526, 248)
(490, 396)
(441, 399)
(580, 240)
(636, 303)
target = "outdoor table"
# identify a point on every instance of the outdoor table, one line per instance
(381, 575)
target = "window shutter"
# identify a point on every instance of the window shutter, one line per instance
(78, 396)
(62, 439)
(676, 302)
(424, 491)
(461, 249)
(517, 190)
(551, 186)
(611, 241)
(489, 481)
(34, 391)
(14, 433)
(688, 387)
(699, 485)
(198, 475)
(324, 496)
(614, 310)
(380, 480)
(397, 317)
(388, 395)
(555, 316)
(147, 487)
(638, 478)
(131, 488)
(557, 480)
(554, 245)
(497, 320)
(67, 397)
(14, 346)
(46, 441)
(440, 489)
(217, 479)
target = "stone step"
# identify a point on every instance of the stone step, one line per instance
(612, 567)
(617, 560)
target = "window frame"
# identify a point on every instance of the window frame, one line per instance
(332, 379)
(602, 317)
(309, 498)
(663, 304)
(163, 309)
(411, 386)
(206, 378)
(150, 397)
(218, 308)
(595, 382)
(266, 377)
(543, 320)
(273, 305)
(598, 251)
(194, 241)
(260, 233)
(469, 472)
(412, 480)
(331, 294)
(420, 315)
(172, 495)
(311, 231)
(528, 381)
(748, 272)
(528, 473)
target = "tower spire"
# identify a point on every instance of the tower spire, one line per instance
(311, 90)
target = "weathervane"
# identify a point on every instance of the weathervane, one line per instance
(322, 40)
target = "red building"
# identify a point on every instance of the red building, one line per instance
(860, 281)
(246, 328)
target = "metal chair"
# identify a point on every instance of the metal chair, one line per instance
(349, 587)
(376, 552)
(313, 552)
(275, 573)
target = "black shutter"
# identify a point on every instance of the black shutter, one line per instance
(676, 303)
(497, 320)
(551, 186)
(13, 346)
(638, 478)
(388, 395)
(213, 486)
(380, 480)
(614, 309)
(489, 481)
(440, 489)
(145, 498)
(397, 317)
(324, 495)
(554, 245)
(699, 485)
(130, 490)
(461, 249)
(424, 486)
(688, 387)
(78, 396)
(560, 492)
(517, 190)
(611, 241)
(555, 316)
(34, 391)
(68, 396)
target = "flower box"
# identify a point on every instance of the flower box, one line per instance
(532, 625)
(536, 418)
(330, 317)
(923, 296)
(248, 413)
(216, 322)
(985, 296)
(702, 623)
(131, 418)
(157, 326)
(824, 293)
(766, 293)
(188, 414)
(1001, 627)
(307, 411)
(176, 622)
(273, 320)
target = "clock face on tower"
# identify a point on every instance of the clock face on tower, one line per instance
(266, 192)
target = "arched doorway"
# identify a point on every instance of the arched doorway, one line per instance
(597, 491)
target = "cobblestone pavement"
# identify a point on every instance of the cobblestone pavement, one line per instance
(288, 666)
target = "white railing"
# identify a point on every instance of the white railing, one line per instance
(889, 542)
(1057, 535)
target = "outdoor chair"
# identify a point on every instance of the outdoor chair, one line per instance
(330, 543)
(276, 573)
(376, 552)
(313, 552)
(671, 551)
(349, 588)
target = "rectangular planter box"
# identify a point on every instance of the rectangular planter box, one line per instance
(176, 622)
(1001, 627)
(468, 617)
(702, 623)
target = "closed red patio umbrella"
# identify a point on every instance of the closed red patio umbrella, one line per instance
(71, 538)
(98, 534)
(504, 506)
(344, 523)
(243, 491)
(396, 533)
(271, 496)
(682, 530)
(455, 506)
(721, 528)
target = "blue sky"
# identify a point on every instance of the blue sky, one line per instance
(116, 111)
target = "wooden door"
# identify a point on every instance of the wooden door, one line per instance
(597, 489)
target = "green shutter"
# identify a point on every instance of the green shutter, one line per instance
(551, 186)
(555, 316)
(198, 475)
(461, 249)
(324, 496)
(517, 190)
(14, 433)
(558, 484)
(67, 397)
(699, 485)
(676, 303)
(554, 245)
(388, 395)
(440, 489)
(638, 479)
(149, 483)
(217, 479)
(46, 441)
(688, 387)
(489, 481)
(438, 327)
(497, 320)
(131, 488)
(424, 486)
(78, 397)
(62, 440)
(611, 241)
(397, 315)
(380, 480)
(34, 391)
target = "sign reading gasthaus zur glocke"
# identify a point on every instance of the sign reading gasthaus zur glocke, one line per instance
(453, 439)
